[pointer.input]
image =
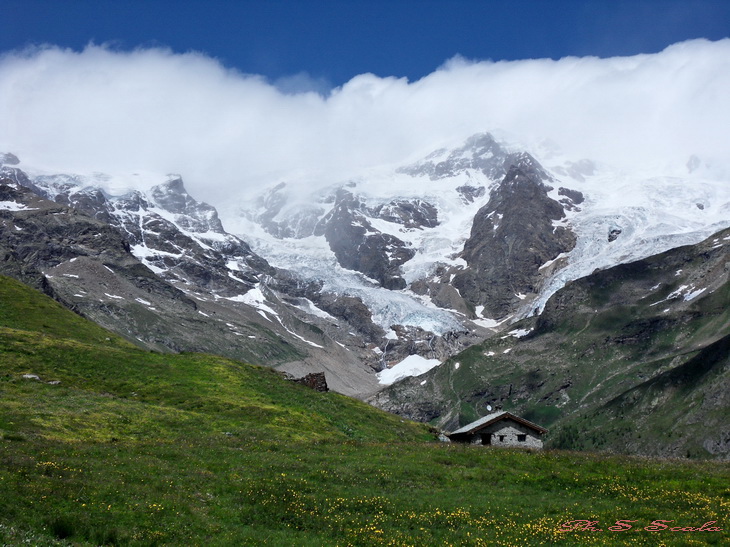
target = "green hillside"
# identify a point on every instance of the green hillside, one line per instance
(102, 443)
(632, 359)
(94, 386)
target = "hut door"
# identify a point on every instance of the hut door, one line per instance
(486, 438)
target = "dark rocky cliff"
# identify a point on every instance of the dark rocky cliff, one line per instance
(511, 237)
(358, 246)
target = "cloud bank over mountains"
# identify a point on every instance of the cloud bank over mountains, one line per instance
(228, 133)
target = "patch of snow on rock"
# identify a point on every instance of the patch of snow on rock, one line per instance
(256, 299)
(13, 206)
(413, 365)
(694, 294)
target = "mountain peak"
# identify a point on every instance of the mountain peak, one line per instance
(6, 158)
(480, 152)
(171, 195)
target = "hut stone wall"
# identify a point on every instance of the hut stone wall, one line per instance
(507, 433)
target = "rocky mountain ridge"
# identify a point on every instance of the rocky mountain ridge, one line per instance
(183, 242)
(418, 262)
(183, 291)
(410, 230)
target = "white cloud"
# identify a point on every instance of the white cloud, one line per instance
(227, 132)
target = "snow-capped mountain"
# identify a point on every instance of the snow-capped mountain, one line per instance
(484, 231)
(398, 265)
(190, 287)
(406, 229)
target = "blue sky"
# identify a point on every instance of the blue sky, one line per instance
(326, 43)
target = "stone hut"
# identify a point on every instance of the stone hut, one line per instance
(500, 429)
(315, 380)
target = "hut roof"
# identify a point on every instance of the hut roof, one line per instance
(496, 417)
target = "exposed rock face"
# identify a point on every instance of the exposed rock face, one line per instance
(345, 222)
(14, 175)
(470, 193)
(352, 218)
(572, 198)
(511, 237)
(441, 291)
(358, 246)
(480, 152)
(574, 195)
(417, 214)
(190, 214)
(43, 241)
(87, 264)
(169, 230)
(417, 341)
(352, 310)
(613, 233)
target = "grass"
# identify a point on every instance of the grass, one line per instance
(227, 492)
(113, 445)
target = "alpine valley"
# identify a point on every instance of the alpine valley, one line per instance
(592, 301)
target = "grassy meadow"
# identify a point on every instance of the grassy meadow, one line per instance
(102, 443)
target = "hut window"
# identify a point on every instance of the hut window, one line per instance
(522, 438)
(501, 438)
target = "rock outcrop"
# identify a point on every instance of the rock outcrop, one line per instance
(512, 236)
(358, 246)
